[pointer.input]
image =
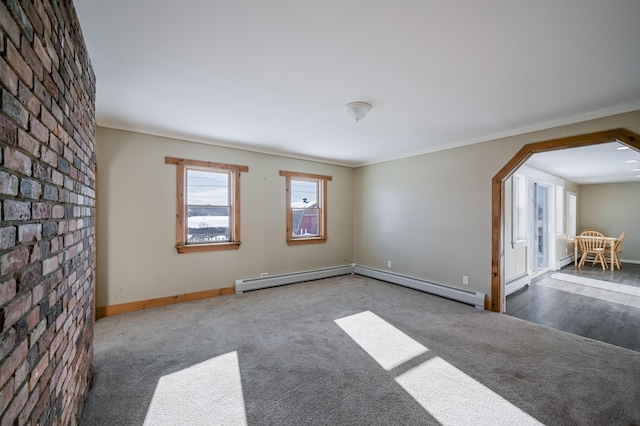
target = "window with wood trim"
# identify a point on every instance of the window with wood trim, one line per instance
(306, 199)
(207, 205)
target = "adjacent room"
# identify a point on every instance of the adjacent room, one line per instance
(319, 213)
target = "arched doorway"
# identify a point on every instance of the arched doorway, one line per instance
(623, 136)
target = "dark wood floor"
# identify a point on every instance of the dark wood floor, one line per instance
(593, 317)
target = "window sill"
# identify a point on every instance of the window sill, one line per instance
(301, 241)
(196, 248)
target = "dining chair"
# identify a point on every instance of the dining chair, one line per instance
(617, 249)
(592, 243)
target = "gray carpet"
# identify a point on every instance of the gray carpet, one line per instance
(297, 366)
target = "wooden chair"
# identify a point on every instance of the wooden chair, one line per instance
(617, 249)
(592, 243)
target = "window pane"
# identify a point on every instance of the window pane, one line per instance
(207, 224)
(207, 188)
(520, 198)
(304, 194)
(559, 209)
(304, 222)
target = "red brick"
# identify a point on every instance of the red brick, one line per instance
(30, 188)
(49, 157)
(19, 65)
(40, 211)
(49, 265)
(16, 160)
(8, 77)
(30, 232)
(8, 184)
(25, 414)
(11, 363)
(34, 19)
(6, 393)
(46, 377)
(8, 131)
(38, 130)
(48, 120)
(13, 260)
(7, 292)
(29, 144)
(15, 310)
(37, 371)
(33, 318)
(14, 109)
(30, 57)
(19, 400)
(17, 210)
(29, 100)
(39, 292)
(7, 343)
(9, 25)
(21, 373)
(36, 253)
(57, 212)
(42, 54)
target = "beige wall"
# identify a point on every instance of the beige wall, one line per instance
(611, 209)
(431, 214)
(137, 259)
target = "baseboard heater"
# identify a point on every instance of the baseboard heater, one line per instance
(516, 284)
(294, 277)
(469, 297)
(564, 262)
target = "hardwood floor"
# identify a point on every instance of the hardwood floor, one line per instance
(608, 314)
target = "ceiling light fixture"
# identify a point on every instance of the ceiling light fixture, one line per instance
(357, 110)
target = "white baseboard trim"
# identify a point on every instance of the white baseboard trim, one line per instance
(637, 262)
(516, 284)
(465, 296)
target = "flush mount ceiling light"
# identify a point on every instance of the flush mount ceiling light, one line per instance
(357, 110)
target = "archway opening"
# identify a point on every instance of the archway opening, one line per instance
(623, 136)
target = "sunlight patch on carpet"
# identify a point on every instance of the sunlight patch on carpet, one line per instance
(454, 398)
(387, 345)
(208, 393)
(448, 394)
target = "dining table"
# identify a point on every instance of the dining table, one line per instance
(610, 243)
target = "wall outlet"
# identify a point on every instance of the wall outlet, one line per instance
(465, 279)
(263, 274)
(389, 264)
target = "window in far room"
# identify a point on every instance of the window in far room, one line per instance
(306, 206)
(207, 205)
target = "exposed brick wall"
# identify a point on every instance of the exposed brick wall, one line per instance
(47, 199)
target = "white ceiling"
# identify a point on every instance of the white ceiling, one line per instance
(273, 76)
(604, 163)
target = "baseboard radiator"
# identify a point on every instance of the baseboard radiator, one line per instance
(469, 297)
(292, 278)
(516, 284)
(564, 262)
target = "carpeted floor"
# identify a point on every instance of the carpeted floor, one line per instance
(283, 356)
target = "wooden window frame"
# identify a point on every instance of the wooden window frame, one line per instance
(234, 219)
(322, 207)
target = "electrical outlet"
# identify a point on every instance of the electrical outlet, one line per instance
(263, 274)
(389, 264)
(465, 279)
